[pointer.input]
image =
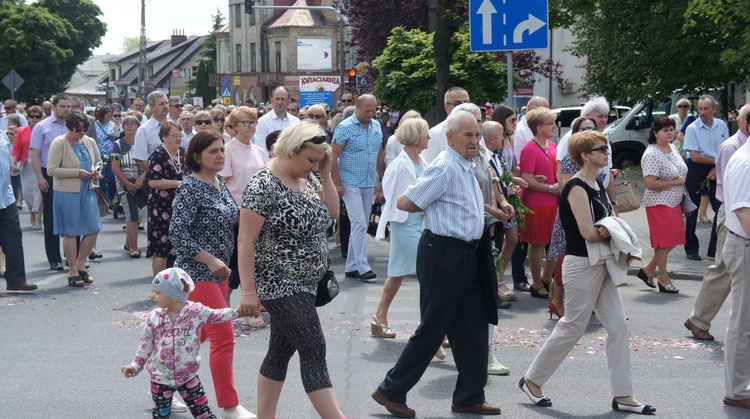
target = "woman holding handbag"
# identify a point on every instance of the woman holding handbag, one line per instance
(664, 174)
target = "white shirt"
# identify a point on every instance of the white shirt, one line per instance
(146, 140)
(438, 142)
(736, 193)
(522, 136)
(392, 150)
(269, 123)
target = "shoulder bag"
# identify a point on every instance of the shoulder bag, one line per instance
(328, 289)
(627, 196)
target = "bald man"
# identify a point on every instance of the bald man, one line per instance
(523, 134)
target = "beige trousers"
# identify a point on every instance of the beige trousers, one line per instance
(715, 286)
(737, 341)
(587, 288)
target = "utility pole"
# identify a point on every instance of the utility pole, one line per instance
(142, 52)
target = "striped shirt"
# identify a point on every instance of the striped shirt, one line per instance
(358, 160)
(449, 194)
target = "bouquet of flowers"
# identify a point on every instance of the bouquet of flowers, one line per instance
(515, 200)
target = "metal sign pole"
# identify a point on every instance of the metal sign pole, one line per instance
(511, 101)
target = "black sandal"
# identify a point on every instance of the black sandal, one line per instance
(136, 255)
(535, 293)
(84, 275)
(75, 281)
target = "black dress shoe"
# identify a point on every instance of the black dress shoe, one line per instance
(351, 274)
(641, 409)
(367, 276)
(504, 305)
(57, 266)
(21, 287)
(693, 256)
(522, 286)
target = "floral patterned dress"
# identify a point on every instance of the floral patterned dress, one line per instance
(161, 166)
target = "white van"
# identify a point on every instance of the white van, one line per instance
(566, 116)
(629, 134)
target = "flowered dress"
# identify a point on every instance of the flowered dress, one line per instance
(161, 166)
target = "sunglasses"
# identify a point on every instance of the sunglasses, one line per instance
(202, 121)
(313, 116)
(219, 120)
(602, 149)
(248, 123)
(117, 115)
(347, 100)
(320, 139)
(34, 116)
(80, 130)
(8, 107)
(178, 106)
(683, 106)
(587, 129)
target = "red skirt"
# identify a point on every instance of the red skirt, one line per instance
(539, 225)
(666, 226)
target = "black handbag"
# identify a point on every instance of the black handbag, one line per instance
(328, 289)
(375, 212)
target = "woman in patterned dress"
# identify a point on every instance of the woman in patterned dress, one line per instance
(166, 169)
(664, 173)
(283, 255)
(202, 233)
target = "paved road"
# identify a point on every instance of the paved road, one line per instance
(62, 348)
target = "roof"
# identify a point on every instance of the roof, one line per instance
(297, 18)
(190, 48)
(157, 50)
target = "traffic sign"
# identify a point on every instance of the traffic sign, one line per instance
(508, 25)
(226, 92)
(12, 81)
(225, 81)
(237, 80)
(226, 100)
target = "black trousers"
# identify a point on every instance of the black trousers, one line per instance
(517, 261)
(51, 240)
(451, 302)
(345, 228)
(696, 174)
(11, 240)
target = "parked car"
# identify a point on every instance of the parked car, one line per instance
(629, 134)
(565, 117)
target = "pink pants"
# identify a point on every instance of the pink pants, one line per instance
(221, 335)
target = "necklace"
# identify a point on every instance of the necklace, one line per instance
(175, 160)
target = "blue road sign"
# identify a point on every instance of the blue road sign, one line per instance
(226, 92)
(225, 81)
(507, 25)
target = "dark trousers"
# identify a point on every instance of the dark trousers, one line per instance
(451, 302)
(696, 174)
(517, 261)
(345, 228)
(11, 240)
(51, 240)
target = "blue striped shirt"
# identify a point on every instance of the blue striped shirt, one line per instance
(449, 194)
(359, 158)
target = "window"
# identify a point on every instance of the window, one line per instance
(253, 59)
(252, 17)
(278, 56)
(237, 15)
(238, 54)
(112, 75)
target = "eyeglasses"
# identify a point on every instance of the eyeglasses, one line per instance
(683, 106)
(314, 116)
(456, 103)
(219, 120)
(175, 136)
(202, 121)
(8, 107)
(34, 116)
(602, 149)
(320, 139)
(587, 129)
(117, 115)
(80, 130)
(248, 123)
(178, 106)
(347, 100)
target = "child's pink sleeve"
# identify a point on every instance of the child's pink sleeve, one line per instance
(147, 344)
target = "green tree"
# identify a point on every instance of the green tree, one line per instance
(639, 50)
(733, 18)
(130, 43)
(208, 52)
(199, 84)
(44, 47)
(407, 70)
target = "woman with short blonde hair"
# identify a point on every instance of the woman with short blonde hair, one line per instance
(299, 137)
(317, 114)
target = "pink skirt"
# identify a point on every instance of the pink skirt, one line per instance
(666, 226)
(539, 224)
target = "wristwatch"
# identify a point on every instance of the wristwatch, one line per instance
(614, 203)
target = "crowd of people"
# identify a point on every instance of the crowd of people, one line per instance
(245, 197)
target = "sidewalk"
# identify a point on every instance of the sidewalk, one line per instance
(678, 265)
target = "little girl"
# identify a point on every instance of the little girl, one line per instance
(170, 343)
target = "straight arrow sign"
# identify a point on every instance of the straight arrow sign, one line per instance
(486, 10)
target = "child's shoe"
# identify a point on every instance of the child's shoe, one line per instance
(178, 406)
(238, 412)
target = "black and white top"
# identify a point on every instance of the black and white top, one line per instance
(291, 253)
(203, 218)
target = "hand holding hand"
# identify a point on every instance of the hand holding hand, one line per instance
(249, 306)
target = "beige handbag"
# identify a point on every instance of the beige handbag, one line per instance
(627, 196)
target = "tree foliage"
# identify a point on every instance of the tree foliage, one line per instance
(733, 19)
(407, 71)
(199, 84)
(208, 52)
(639, 50)
(130, 43)
(45, 41)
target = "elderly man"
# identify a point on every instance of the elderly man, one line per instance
(175, 108)
(702, 140)
(736, 250)
(10, 109)
(41, 138)
(147, 136)
(523, 134)
(438, 142)
(716, 283)
(11, 238)
(454, 299)
(186, 123)
(47, 108)
(358, 160)
(76, 104)
(277, 119)
(347, 99)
